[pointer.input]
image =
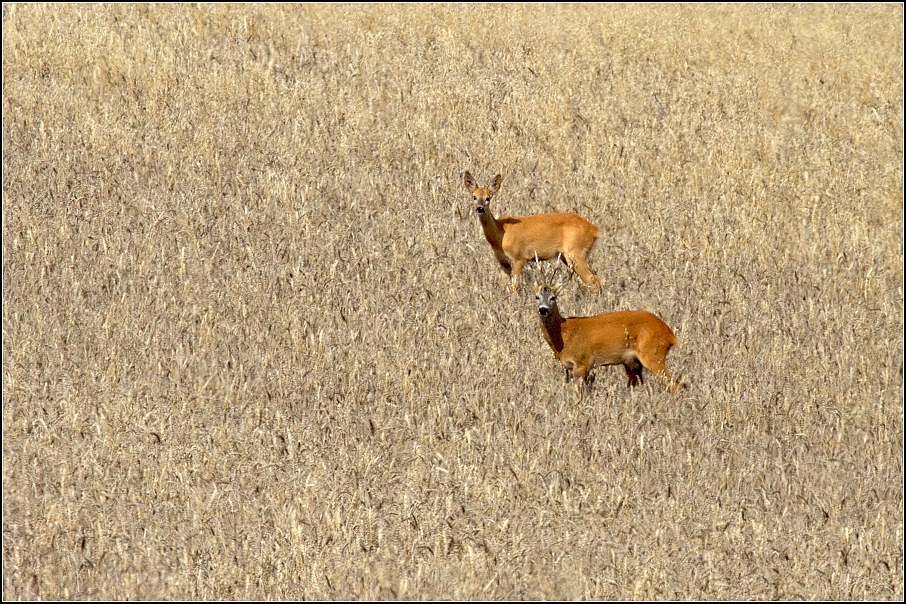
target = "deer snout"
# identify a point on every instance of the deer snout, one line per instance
(543, 311)
(479, 209)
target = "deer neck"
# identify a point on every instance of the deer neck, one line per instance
(492, 231)
(552, 326)
(494, 235)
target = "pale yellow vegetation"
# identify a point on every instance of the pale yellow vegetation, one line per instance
(256, 347)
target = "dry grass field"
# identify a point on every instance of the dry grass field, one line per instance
(255, 345)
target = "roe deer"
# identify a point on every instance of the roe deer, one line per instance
(517, 240)
(633, 338)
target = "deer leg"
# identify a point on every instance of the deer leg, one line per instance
(586, 379)
(568, 367)
(581, 268)
(516, 272)
(659, 369)
(634, 372)
(504, 263)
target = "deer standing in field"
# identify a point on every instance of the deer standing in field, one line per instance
(517, 240)
(633, 338)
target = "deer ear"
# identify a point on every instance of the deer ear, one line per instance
(556, 289)
(495, 184)
(469, 181)
(537, 287)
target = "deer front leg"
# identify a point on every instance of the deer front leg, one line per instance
(516, 273)
(568, 369)
(583, 372)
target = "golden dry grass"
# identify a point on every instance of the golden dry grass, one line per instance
(255, 346)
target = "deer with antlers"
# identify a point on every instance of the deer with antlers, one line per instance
(516, 240)
(632, 338)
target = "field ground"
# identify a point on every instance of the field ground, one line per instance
(255, 345)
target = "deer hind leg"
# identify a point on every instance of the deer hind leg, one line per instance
(652, 350)
(579, 265)
(657, 366)
(634, 372)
